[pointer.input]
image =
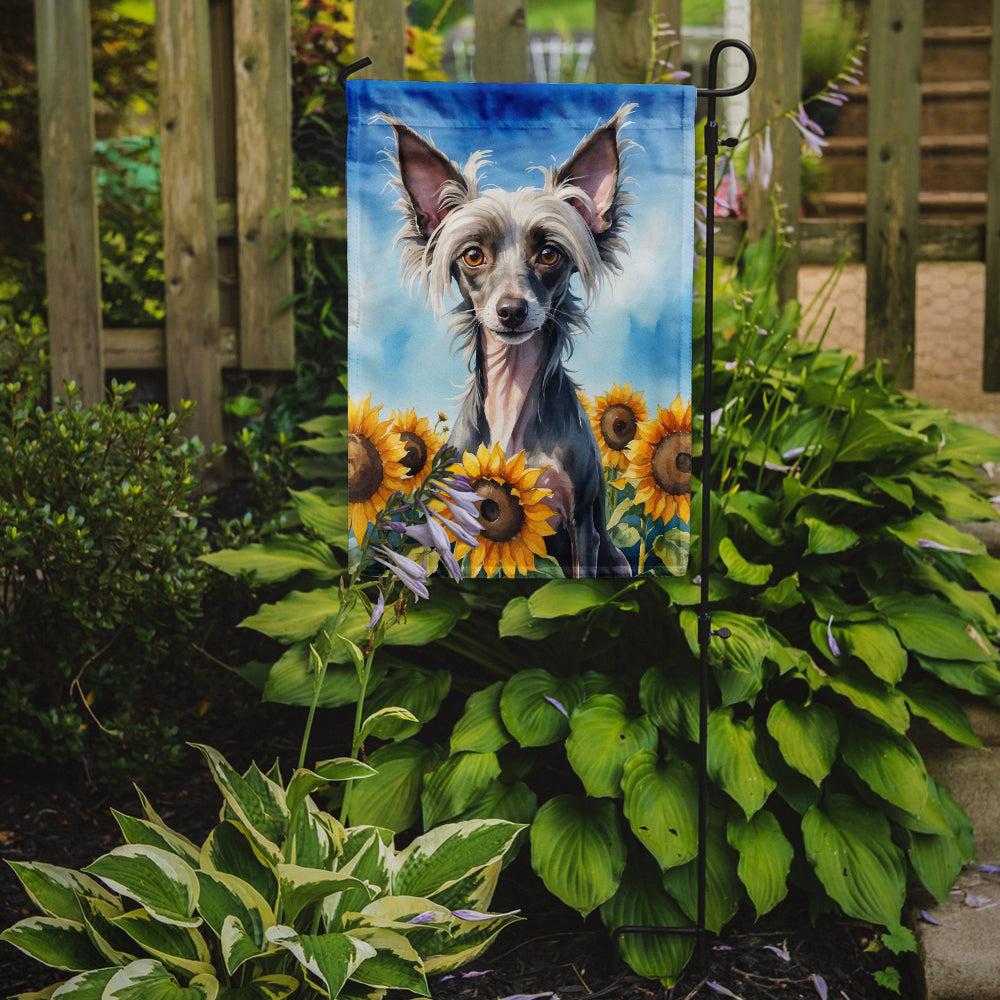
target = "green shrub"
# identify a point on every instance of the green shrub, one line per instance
(101, 584)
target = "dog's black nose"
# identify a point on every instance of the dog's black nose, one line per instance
(512, 311)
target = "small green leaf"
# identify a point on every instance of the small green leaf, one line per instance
(670, 698)
(481, 727)
(888, 763)
(561, 598)
(828, 539)
(807, 736)
(738, 569)
(535, 706)
(391, 798)
(765, 858)
(732, 760)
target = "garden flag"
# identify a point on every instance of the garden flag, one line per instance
(520, 282)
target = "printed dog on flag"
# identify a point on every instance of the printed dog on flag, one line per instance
(510, 255)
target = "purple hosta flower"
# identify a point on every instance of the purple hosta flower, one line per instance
(760, 166)
(431, 535)
(780, 952)
(377, 611)
(531, 996)
(811, 132)
(989, 869)
(719, 988)
(427, 917)
(461, 499)
(728, 196)
(927, 918)
(475, 915)
(559, 705)
(831, 642)
(409, 572)
(465, 975)
(820, 983)
(928, 543)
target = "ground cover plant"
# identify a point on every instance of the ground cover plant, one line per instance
(854, 605)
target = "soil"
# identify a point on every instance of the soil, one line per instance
(550, 953)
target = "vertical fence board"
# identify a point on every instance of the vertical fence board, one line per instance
(893, 183)
(776, 35)
(261, 57)
(380, 34)
(501, 41)
(991, 333)
(190, 254)
(622, 40)
(72, 256)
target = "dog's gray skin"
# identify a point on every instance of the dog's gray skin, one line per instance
(511, 255)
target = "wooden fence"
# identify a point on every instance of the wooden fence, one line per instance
(226, 161)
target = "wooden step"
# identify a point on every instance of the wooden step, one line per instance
(957, 206)
(956, 53)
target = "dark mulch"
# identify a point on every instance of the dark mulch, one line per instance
(551, 951)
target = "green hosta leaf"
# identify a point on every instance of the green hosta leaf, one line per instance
(395, 964)
(850, 847)
(828, 539)
(785, 594)
(528, 714)
(147, 979)
(941, 709)
(328, 520)
(602, 738)
(386, 723)
(481, 728)
(301, 887)
(516, 803)
(976, 678)
(456, 784)
(958, 502)
(738, 569)
(260, 809)
(937, 860)
(180, 948)
(928, 528)
(578, 851)
(723, 889)
(438, 859)
(738, 661)
(225, 897)
(141, 831)
(275, 987)
(671, 700)
(54, 941)
(732, 760)
(864, 691)
(641, 901)
(56, 891)
(975, 605)
(425, 621)
(870, 436)
(279, 558)
(661, 800)
(888, 763)
(765, 858)
(560, 598)
(760, 512)
(299, 615)
(985, 569)
(330, 959)
(230, 849)
(517, 620)
(807, 736)
(931, 628)
(418, 691)
(292, 680)
(391, 798)
(876, 646)
(159, 881)
(965, 443)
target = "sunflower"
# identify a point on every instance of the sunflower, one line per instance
(659, 463)
(513, 517)
(615, 418)
(375, 464)
(421, 444)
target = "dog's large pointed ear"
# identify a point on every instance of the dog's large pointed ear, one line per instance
(594, 169)
(423, 170)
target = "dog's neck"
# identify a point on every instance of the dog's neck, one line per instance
(510, 370)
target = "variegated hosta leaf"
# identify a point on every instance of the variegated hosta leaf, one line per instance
(850, 847)
(86, 986)
(301, 887)
(54, 941)
(177, 947)
(578, 851)
(304, 782)
(256, 801)
(765, 858)
(481, 727)
(56, 891)
(395, 964)
(274, 987)
(467, 941)
(642, 902)
(807, 736)
(391, 799)
(329, 959)
(225, 897)
(367, 853)
(888, 763)
(441, 857)
(602, 737)
(661, 805)
(476, 890)
(732, 760)
(230, 849)
(158, 880)
(98, 915)
(456, 784)
(315, 838)
(535, 706)
(141, 831)
(149, 980)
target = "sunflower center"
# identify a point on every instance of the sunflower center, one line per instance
(416, 452)
(364, 468)
(618, 426)
(671, 463)
(500, 512)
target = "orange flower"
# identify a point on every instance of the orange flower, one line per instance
(659, 463)
(615, 419)
(375, 468)
(421, 444)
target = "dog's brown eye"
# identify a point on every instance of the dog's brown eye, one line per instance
(549, 256)
(474, 257)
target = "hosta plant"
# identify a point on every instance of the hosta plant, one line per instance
(279, 900)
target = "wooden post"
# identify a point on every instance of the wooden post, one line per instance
(991, 333)
(190, 254)
(623, 37)
(380, 34)
(893, 183)
(501, 41)
(72, 255)
(776, 35)
(262, 61)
